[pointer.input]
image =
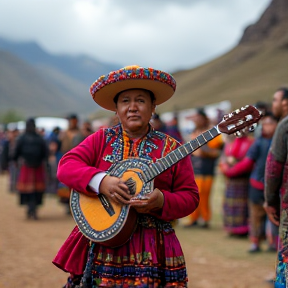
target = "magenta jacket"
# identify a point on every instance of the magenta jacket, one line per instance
(96, 154)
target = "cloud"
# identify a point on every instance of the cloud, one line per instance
(164, 34)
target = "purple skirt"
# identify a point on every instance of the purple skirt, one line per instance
(236, 206)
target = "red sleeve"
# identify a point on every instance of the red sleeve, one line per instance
(273, 180)
(275, 169)
(77, 167)
(242, 167)
(184, 197)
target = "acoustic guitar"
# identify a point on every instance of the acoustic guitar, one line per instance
(113, 224)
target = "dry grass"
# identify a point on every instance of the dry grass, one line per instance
(242, 76)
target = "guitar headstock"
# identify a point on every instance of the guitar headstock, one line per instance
(240, 120)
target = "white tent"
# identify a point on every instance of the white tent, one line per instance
(46, 123)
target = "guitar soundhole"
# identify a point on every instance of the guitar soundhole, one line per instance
(131, 184)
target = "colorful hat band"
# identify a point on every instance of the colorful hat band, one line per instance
(132, 72)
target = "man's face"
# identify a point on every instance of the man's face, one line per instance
(268, 126)
(277, 104)
(200, 121)
(73, 123)
(134, 109)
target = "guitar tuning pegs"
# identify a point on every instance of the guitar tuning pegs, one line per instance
(252, 127)
(248, 117)
(226, 117)
(237, 111)
(245, 107)
(238, 134)
(240, 122)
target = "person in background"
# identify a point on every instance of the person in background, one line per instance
(113, 121)
(68, 135)
(54, 157)
(173, 129)
(276, 179)
(254, 163)
(235, 206)
(280, 103)
(67, 143)
(54, 148)
(157, 123)
(55, 136)
(42, 132)
(31, 155)
(3, 139)
(263, 107)
(4, 148)
(152, 257)
(204, 162)
(7, 157)
(170, 129)
(85, 131)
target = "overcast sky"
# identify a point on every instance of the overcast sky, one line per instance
(164, 34)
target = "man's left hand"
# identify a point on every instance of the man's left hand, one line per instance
(153, 202)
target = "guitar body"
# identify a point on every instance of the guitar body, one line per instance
(107, 222)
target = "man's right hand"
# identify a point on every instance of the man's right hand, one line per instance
(272, 214)
(115, 189)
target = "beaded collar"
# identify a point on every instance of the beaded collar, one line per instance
(123, 147)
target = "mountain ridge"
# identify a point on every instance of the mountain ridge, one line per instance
(249, 72)
(81, 67)
(61, 83)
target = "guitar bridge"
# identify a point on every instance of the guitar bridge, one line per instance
(106, 204)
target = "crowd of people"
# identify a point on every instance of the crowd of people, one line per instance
(253, 166)
(31, 159)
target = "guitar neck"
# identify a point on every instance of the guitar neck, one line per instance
(181, 152)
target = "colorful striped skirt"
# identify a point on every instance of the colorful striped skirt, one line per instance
(152, 258)
(236, 206)
(31, 179)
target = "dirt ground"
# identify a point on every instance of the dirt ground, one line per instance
(27, 248)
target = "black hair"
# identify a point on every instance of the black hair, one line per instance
(285, 92)
(261, 105)
(30, 125)
(201, 111)
(271, 115)
(155, 116)
(152, 96)
(72, 116)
